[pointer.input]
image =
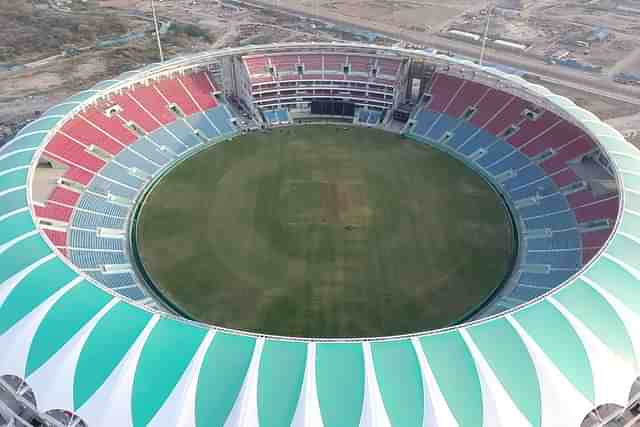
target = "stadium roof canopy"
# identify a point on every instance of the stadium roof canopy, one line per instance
(83, 349)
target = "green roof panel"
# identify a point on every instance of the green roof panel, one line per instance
(17, 178)
(22, 255)
(509, 359)
(60, 109)
(632, 202)
(67, 316)
(624, 249)
(24, 140)
(560, 343)
(34, 289)
(43, 123)
(457, 377)
(120, 327)
(340, 383)
(282, 367)
(614, 279)
(16, 160)
(400, 382)
(631, 180)
(631, 223)
(168, 350)
(81, 96)
(10, 202)
(594, 311)
(15, 226)
(628, 161)
(221, 376)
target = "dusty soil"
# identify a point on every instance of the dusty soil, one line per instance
(30, 32)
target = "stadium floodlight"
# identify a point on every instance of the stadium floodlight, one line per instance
(155, 23)
(484, 37)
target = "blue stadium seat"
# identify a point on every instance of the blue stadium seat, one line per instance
(444, 124)
(424, 120)
(114, 280)
(540, 244)
(516, 160)
(94, 259)
(120, 174)
(283, 116)
(374, 117)
(99, 204)
(147, 149)
(526, 293)
(497, 151)
(162, 137)
(479, 140)
(558, 221)
(184, 133)
(544, 187)
(524, 176)
(461, 134)
(547, 280)
(554, 203)
(131, 159)
(89, 220)
(568, 239)
(570, 259)
(134, 293)
(270, 116)
(201, 122)
(104, 186)
(89, 240)
(221, 119)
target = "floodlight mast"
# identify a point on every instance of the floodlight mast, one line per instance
(155, 23)
(484, 37)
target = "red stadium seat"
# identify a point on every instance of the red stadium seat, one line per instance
(596, 238)
(112, 126)
(64, 148)
(86, 134)
(58, 238)
(603, 209)
(564, 177)
(469, 95)
(174, 93)
(510, 115)
(570, 151)
(136, 113)
(530, 129)
(491, 105)
(63, 196)
(443, 90)
(54, 212)
(154, 103)
(200, 88)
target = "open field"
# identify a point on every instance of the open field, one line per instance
(326, 232)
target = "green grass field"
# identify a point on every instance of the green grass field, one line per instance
(326, 232)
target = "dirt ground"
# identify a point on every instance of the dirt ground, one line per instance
(602, 107)
(551, 27)
(31, 31)
(24, 93)
(416, 15)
